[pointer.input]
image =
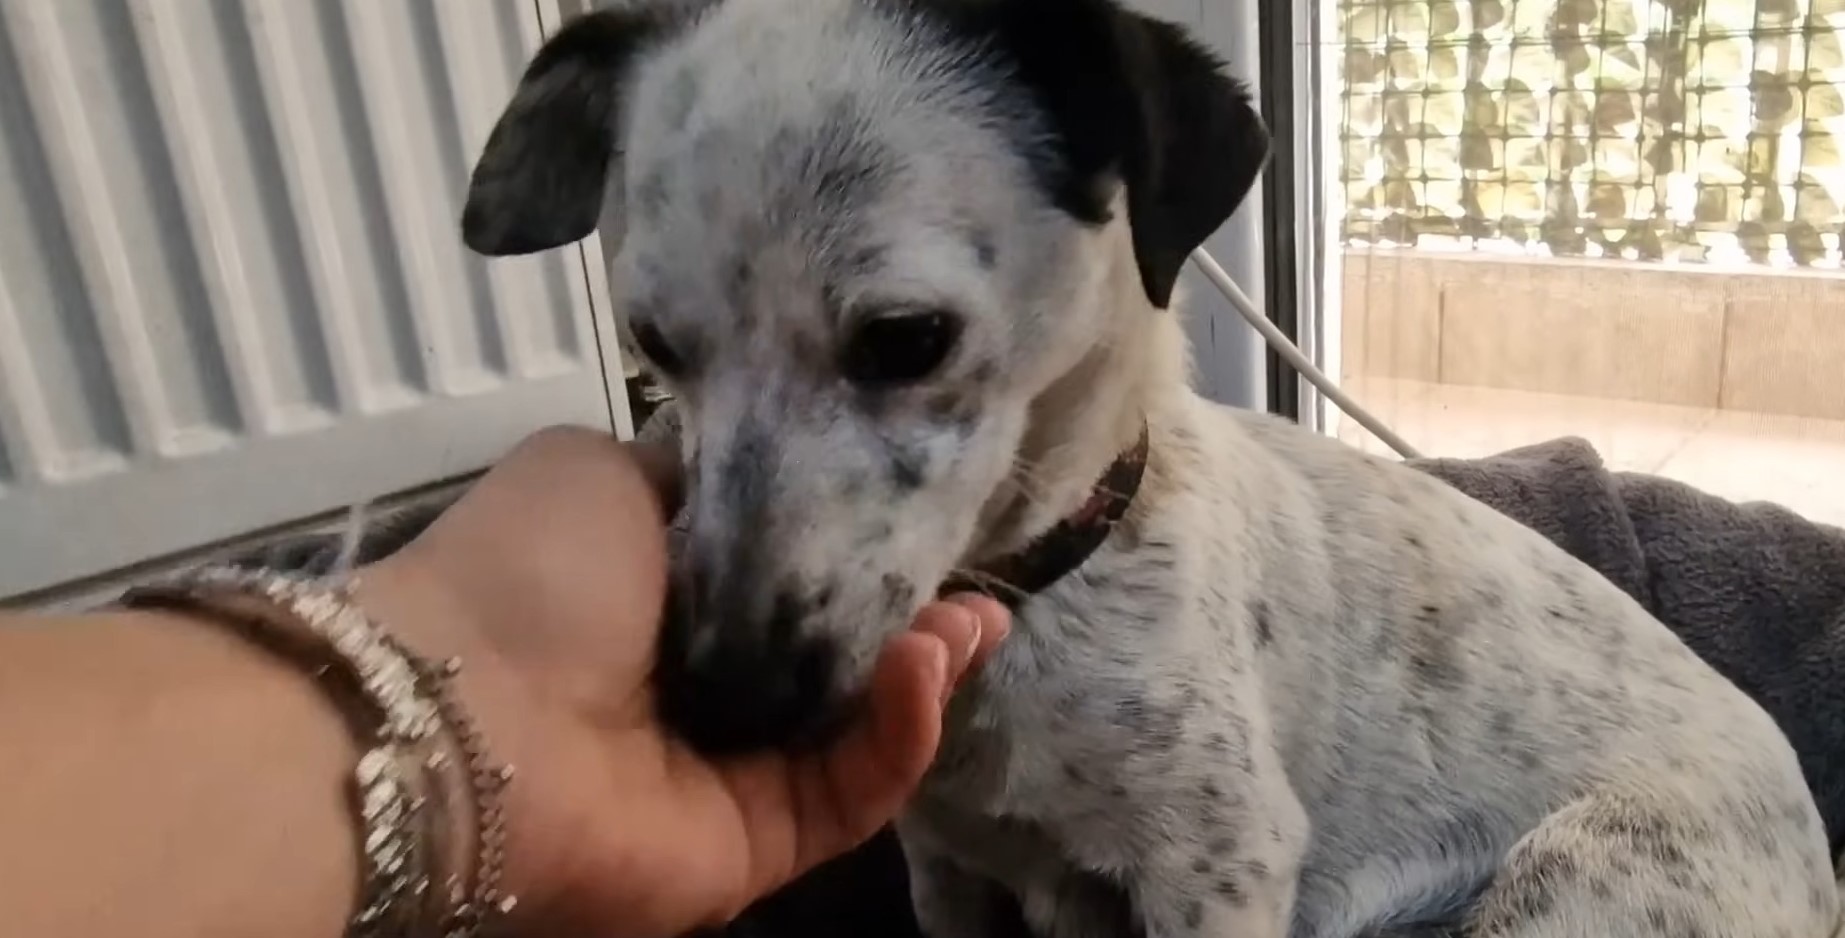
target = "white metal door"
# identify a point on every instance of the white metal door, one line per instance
(232, 291)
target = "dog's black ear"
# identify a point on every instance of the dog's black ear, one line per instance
(541, 178)
(1204, 149)
(1138, 100)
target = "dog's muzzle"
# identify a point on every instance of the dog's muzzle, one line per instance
(737, 673)
(759, 685)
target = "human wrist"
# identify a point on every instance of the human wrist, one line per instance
(432, 615)
(426, 792)
(585, 836)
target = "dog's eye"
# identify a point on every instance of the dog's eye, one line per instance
(891, 350)
(653, 345)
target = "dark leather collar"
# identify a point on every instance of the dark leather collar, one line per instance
(1014, 578)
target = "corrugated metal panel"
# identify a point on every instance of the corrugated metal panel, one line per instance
(231, 289)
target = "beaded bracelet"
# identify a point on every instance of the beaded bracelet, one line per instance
(423, 752)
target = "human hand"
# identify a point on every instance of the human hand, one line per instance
(548, 581)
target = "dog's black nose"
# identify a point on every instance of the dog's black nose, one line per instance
(744, 686)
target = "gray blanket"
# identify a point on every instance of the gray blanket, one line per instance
(1754, 589)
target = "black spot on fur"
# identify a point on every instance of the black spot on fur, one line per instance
(650, 196)
(824, 595)
(1550, 866)
(1154, 729)
(1194, 914)
(1265, 629)
(1233, 892)
(741, 277)
(906, 469)
(899, 592)
(986, 250)
(1647, 833)
(1221, 847)
(1528, 895)
(1502, 722)
(1210, 791)
(1433, 655)
(843, 167)
(866, 261)
(1202, 865)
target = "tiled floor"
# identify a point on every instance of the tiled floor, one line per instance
(1795, 461)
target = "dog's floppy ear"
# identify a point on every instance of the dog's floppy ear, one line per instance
(541, 178)
(1204, 149)
(1137, 99)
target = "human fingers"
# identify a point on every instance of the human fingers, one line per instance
(995, 623)
(799, 811)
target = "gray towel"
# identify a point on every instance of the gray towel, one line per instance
(1754, 589)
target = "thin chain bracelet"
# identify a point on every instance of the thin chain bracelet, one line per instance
(420, 742)
(471, 909)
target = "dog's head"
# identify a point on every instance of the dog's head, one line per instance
(861, 239)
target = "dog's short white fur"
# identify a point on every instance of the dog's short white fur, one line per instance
(1300, 691)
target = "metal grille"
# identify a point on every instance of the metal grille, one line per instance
(1691, 130)
(231, 291)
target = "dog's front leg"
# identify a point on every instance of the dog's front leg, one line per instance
(952, 901)
(1072, 904)
(1190, 894)
(1230, 864)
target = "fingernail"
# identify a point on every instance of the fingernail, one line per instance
(939, 663)
(973, 640)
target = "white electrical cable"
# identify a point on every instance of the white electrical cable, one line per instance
(1292, 354)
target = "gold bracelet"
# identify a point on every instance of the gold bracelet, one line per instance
(423, 752)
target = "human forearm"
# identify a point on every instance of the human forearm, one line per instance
(164, 777)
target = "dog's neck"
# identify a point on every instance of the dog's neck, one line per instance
(1087, 419)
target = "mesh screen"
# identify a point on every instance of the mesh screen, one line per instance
(1688, 130)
